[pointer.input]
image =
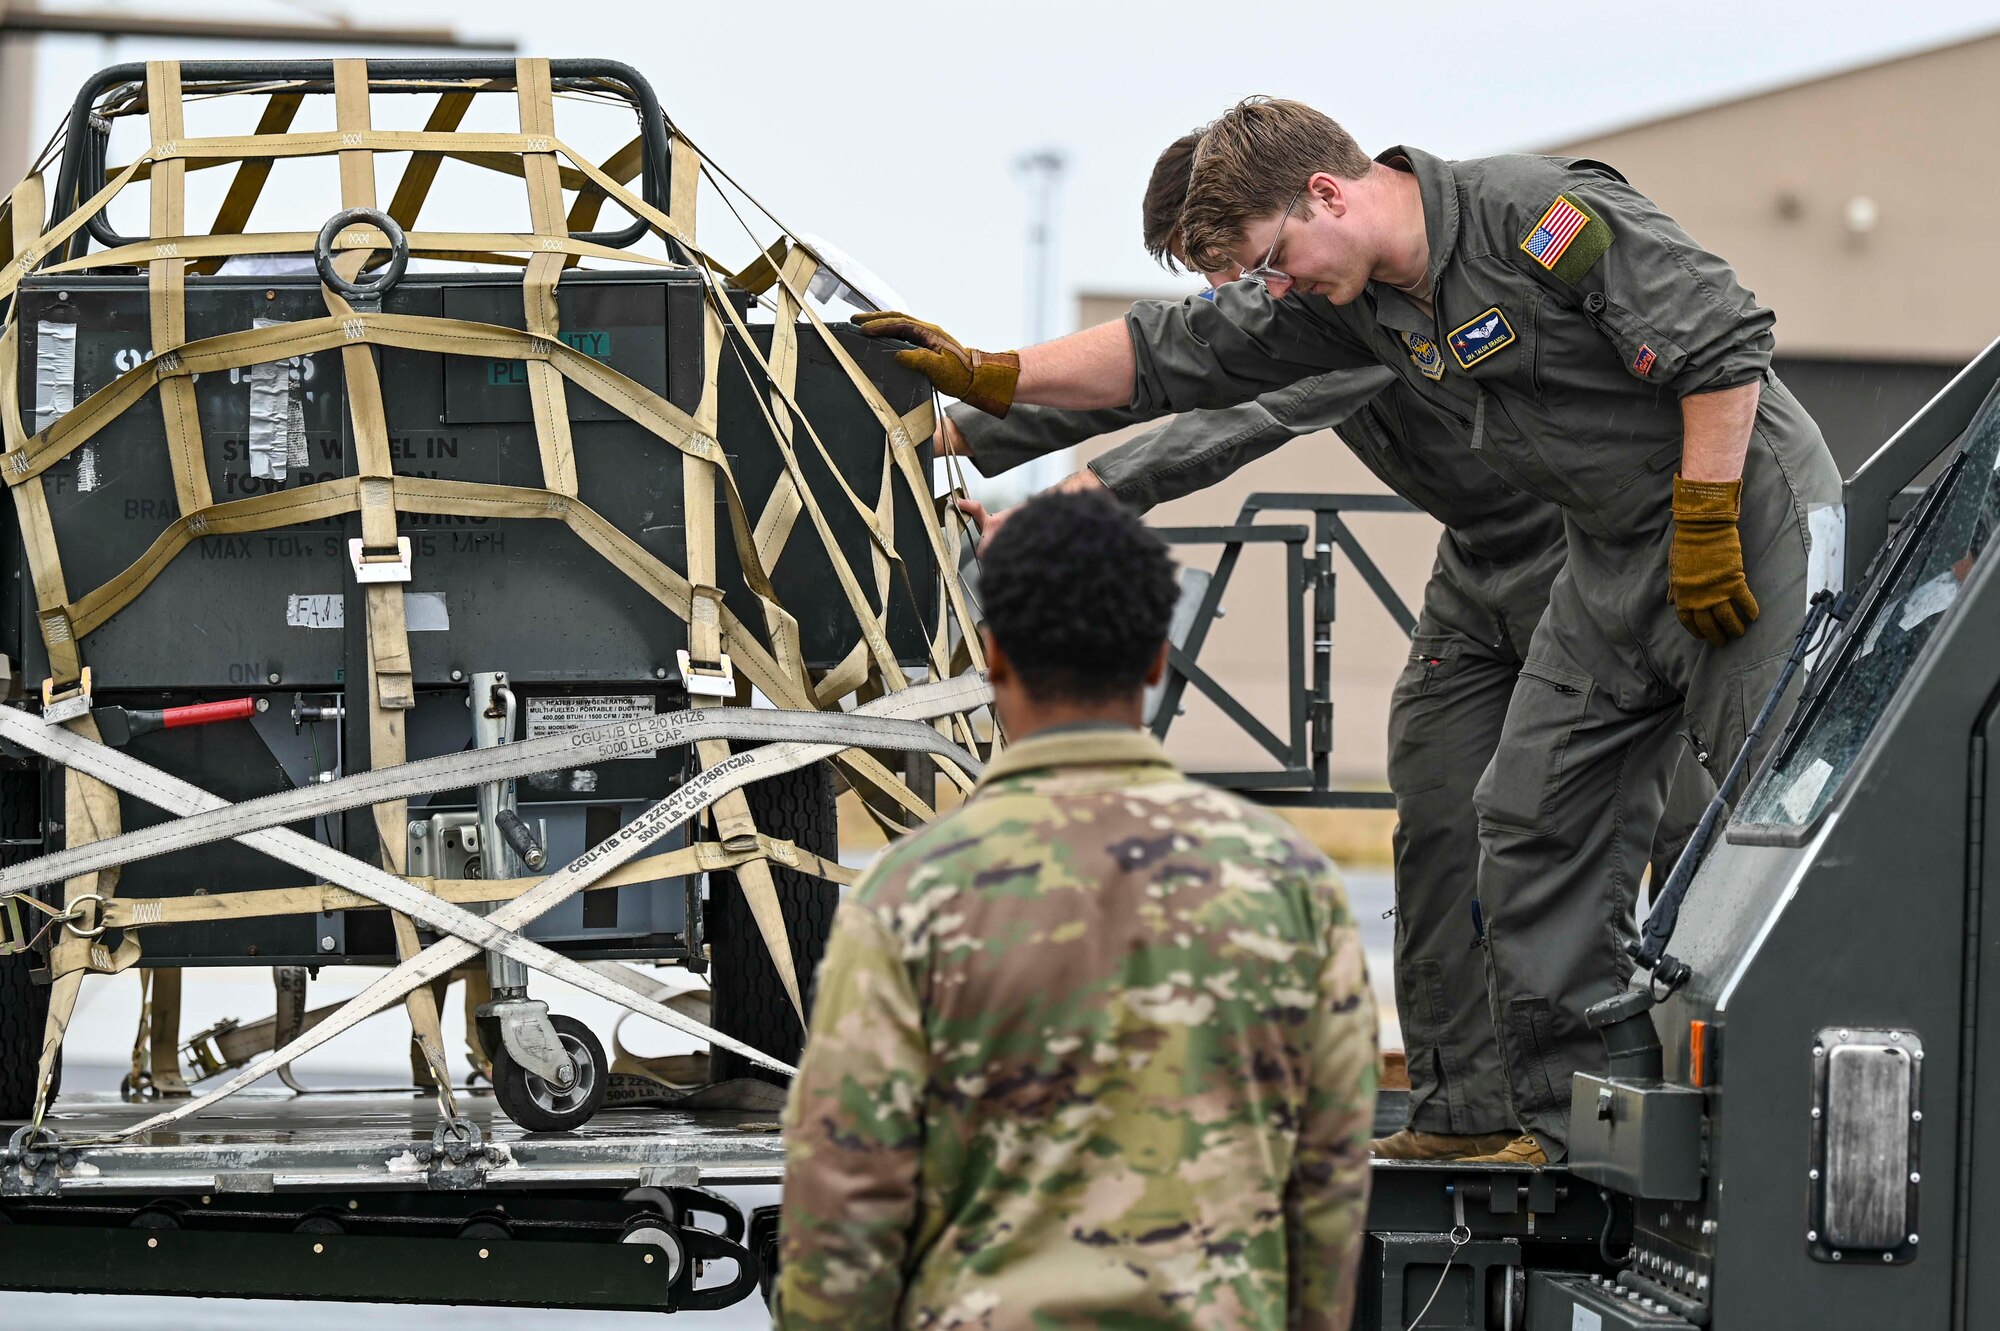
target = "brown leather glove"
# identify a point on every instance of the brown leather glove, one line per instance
(1705, 579)
(982, 379)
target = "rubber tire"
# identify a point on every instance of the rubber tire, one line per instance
(511, 1081)
(24, 1010)
(747, 998)
(24, 1005)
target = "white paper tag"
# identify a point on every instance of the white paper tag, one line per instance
(1932, 597)
(1874, 636)
(1826, 557)
(1803, 793)
(1583, 1319)
(423, 612)
(560, 715)
(326, 610)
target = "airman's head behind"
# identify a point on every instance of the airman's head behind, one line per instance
(1077, 595)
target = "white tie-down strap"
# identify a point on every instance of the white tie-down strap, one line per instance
(577, 748)
(497, 932)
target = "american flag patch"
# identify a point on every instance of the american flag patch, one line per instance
(1642, 364)
(1560, 225)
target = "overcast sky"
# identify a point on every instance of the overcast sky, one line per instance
(891, 128)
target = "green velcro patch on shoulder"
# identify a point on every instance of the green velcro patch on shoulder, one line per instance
(1569, 238)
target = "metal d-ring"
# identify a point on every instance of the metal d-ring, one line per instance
(385, 277)
(75, 909)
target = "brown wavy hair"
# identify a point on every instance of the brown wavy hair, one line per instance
(1250, 163)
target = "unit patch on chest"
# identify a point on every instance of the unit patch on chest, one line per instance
(1429, 360)
(1479, 337)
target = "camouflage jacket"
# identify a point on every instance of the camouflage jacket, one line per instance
(1097, 1049)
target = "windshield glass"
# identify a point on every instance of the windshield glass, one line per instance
(1956, 518)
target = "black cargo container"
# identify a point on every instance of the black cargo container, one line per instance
(278, 614)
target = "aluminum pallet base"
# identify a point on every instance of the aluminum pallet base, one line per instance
(274, 1141)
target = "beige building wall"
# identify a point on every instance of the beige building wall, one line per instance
(1859, 206)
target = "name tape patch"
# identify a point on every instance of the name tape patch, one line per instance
(1424, 352)
(1480, 336)
(1569, 238)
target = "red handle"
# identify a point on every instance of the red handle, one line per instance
(208, 713)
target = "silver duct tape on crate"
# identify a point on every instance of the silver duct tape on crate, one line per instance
(277, 415)
(55, 390)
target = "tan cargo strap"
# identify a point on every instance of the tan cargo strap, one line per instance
(723, 654)
(155, 1071)
(393, 688)
(230, 1044)
(325, 898)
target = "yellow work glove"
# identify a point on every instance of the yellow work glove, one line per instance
(982, 379)
(1705, 579)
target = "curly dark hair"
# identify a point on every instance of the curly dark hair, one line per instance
(1078, 594)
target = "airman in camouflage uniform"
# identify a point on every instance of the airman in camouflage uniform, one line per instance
(1097, 1049)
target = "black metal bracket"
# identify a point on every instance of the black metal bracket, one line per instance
(457, 1156)
(704, 1246)
(1878, 493)
(1303, 753)
(83, 162)
(33, 1162)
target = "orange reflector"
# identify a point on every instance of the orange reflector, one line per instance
(1698, 1053)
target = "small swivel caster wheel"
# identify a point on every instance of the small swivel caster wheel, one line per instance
(487, 1227)
(541, 1106)
(163, 1214)
(320, 1220)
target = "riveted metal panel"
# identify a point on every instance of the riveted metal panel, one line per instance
(1866, 1119)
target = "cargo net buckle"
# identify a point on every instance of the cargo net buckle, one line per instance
(13, 927)
(380, 565)
(60, 705)
(716, 681)
(203, 1054)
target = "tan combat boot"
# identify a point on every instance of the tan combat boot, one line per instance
(1409, 1144)
(1523, 1150)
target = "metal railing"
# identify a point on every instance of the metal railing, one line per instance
(1301, 777)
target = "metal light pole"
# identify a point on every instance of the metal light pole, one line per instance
(1041, 175)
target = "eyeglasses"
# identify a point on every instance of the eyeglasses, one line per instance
(1264, 274)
